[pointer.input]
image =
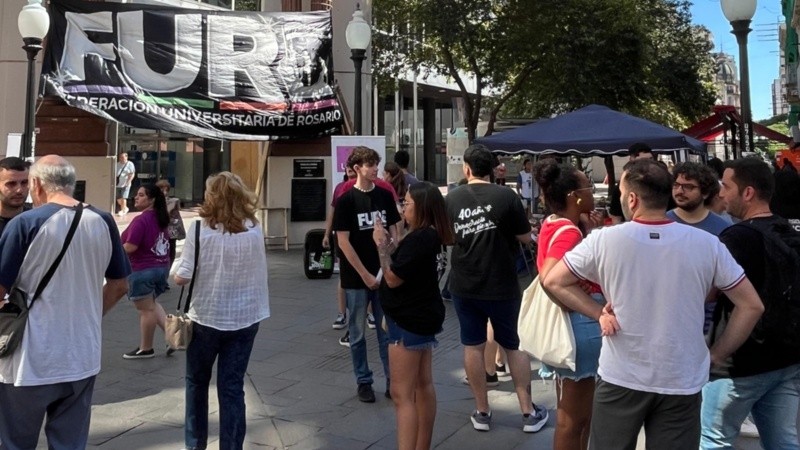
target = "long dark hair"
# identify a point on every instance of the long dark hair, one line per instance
(430, 211)
(154, 193)
(396, 178)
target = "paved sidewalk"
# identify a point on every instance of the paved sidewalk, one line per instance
(300, 389)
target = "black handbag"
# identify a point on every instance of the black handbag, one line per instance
(14, 314)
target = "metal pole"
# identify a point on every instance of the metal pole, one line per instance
(31, 47)
(741, 28)
(358, 57)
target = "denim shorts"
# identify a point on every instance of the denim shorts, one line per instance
(587, 348)
(410, 341)
(473, 315)
(148, 282)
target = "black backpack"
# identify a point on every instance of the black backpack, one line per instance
(780, 292)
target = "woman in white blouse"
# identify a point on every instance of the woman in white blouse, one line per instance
(230, 298)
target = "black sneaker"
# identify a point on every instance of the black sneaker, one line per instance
(501, 368)
(170, 350)
(139, 354)
(491, 380)
(345, 340)
(365, 393)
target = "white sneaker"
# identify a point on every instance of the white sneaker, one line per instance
(748, 428)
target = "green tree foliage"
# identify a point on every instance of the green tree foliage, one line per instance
(535, 58)
(248, 5)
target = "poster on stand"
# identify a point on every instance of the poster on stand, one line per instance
(213, 74)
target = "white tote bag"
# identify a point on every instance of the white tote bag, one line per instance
(545, 331)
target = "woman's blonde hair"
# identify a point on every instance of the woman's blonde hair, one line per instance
(228, 202)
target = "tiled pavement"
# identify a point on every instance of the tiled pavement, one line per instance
(299, 389)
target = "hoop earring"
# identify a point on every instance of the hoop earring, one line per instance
(579, 201)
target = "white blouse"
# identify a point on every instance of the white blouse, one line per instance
(230, 292)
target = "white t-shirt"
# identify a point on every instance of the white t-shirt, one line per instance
(525, 180)
(656, 276)
(62, 339)
(230, 292)
(124, 170)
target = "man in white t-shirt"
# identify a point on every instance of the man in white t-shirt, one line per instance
(527, 187)
(654, 360)
(125, 174)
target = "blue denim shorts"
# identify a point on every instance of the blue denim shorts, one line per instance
(473, 315)
(411, 341)
(587, 348)
(148, 282)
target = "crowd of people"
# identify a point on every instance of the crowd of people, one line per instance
(686, 348)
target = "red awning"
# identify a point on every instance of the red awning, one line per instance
(724, 116)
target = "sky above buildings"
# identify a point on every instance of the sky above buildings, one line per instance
(763, 46)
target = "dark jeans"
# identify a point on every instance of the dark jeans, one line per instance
(233, 350)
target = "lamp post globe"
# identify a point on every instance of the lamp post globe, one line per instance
(358, 35)
(739, 13)
(33, 23)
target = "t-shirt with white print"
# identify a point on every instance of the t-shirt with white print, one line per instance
(355, 213)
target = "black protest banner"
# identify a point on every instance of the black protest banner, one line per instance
(214, 74)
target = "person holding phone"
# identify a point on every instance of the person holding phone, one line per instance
(413, 307)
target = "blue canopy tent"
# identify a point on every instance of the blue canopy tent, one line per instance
(594, 130)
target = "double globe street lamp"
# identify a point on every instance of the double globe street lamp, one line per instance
(358, 35)
(739, 13)
(33, 23)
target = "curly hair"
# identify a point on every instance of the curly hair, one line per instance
(228, 203)
(704, 175)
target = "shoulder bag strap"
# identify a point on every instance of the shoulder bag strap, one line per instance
(194, 270)
(558, 232)
(52, 270)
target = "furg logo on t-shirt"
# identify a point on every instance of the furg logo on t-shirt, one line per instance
(367, 220)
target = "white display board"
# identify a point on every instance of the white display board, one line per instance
(341, 146)
(13, 144)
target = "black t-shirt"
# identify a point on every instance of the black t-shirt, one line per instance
(486, 219)
(354, 213)
(416, 305)
(4, 220)
(747, 247)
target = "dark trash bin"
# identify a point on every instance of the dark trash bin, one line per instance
(317, 261)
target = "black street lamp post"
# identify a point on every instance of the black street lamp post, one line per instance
(739, 13)
(358, 35)
(33, 23)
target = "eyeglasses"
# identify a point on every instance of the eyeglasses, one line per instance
(686, 187)
(583, 189)
(404, 203)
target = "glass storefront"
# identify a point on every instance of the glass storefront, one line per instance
(180, 159)
(434, 119)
